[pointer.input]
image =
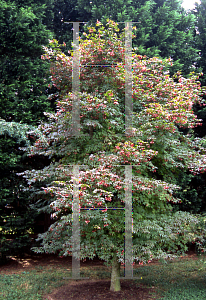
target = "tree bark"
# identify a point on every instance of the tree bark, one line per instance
(115, 281)
(91, 131)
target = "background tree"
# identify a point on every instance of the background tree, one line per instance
(200, 39)
(64, 11)
(24, 94)
(194, 190)
(173, 33)
(24, 83)
(158, 151)
(16, 214)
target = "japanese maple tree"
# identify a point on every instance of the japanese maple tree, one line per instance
(157, 149)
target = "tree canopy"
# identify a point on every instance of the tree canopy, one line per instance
(155, 151)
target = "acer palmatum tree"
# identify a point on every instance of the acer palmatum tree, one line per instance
(157, 149)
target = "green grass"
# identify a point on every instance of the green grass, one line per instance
(30, 285)
(178, 280)
(175, 280)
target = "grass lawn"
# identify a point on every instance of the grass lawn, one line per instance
(32, 279)
(184, 279)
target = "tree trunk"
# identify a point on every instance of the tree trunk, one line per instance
(115, 281)
(91, 131)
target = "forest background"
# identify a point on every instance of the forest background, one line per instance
(164, 30)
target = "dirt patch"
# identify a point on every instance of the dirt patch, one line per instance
(99, 290)
(17, 265)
